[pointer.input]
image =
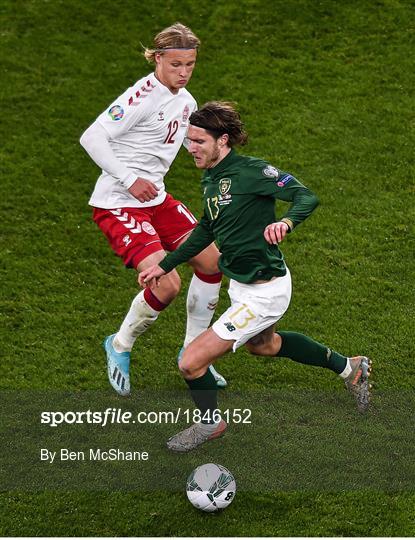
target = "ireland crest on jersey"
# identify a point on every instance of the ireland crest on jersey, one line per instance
(270, 171)
(224, 185)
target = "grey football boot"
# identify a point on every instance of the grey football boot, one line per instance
(194, 436)
(358, 381)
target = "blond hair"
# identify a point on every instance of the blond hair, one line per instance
(176, 36)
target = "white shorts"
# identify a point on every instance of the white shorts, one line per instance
(254, 307)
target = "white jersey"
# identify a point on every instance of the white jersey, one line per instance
(146, 127)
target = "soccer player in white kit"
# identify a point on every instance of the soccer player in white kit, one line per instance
(134, 142)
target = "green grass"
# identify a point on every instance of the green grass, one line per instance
(326, 90)
(160, 514)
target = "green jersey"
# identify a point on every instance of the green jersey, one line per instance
(239, 202)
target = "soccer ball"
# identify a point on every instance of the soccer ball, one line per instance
(211, 487)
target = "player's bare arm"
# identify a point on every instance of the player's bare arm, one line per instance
(143, 190)
(275, 233)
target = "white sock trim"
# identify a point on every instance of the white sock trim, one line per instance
(347, 370)
(208, 428)
(118, 346)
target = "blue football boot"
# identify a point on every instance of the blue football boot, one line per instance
(118, 365)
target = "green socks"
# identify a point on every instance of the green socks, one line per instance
(305, 350)
(205, 395)
(298, 347)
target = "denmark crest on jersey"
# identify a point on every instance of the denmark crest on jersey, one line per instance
(185, 115)
(148, 228)
(270, 171)
(225, 185)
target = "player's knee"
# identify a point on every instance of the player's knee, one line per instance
(266, 343)
(208, 267)
(175, 285)
(187, 369)
(260, 347)
(254, 348)
(207, 261)
(171, 285)
(188, 365)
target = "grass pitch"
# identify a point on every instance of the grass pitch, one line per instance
(326, 92)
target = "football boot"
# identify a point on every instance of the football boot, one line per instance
(358, 381)
(194, 436)
(118, 365)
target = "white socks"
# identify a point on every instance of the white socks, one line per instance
(139, 318)
(202, 299)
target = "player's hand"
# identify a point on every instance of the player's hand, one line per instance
(275, 232)
(143, 190)
(150, 276)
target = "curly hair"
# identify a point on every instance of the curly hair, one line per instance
(218, 118)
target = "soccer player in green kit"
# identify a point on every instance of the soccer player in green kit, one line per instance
(239, 214)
